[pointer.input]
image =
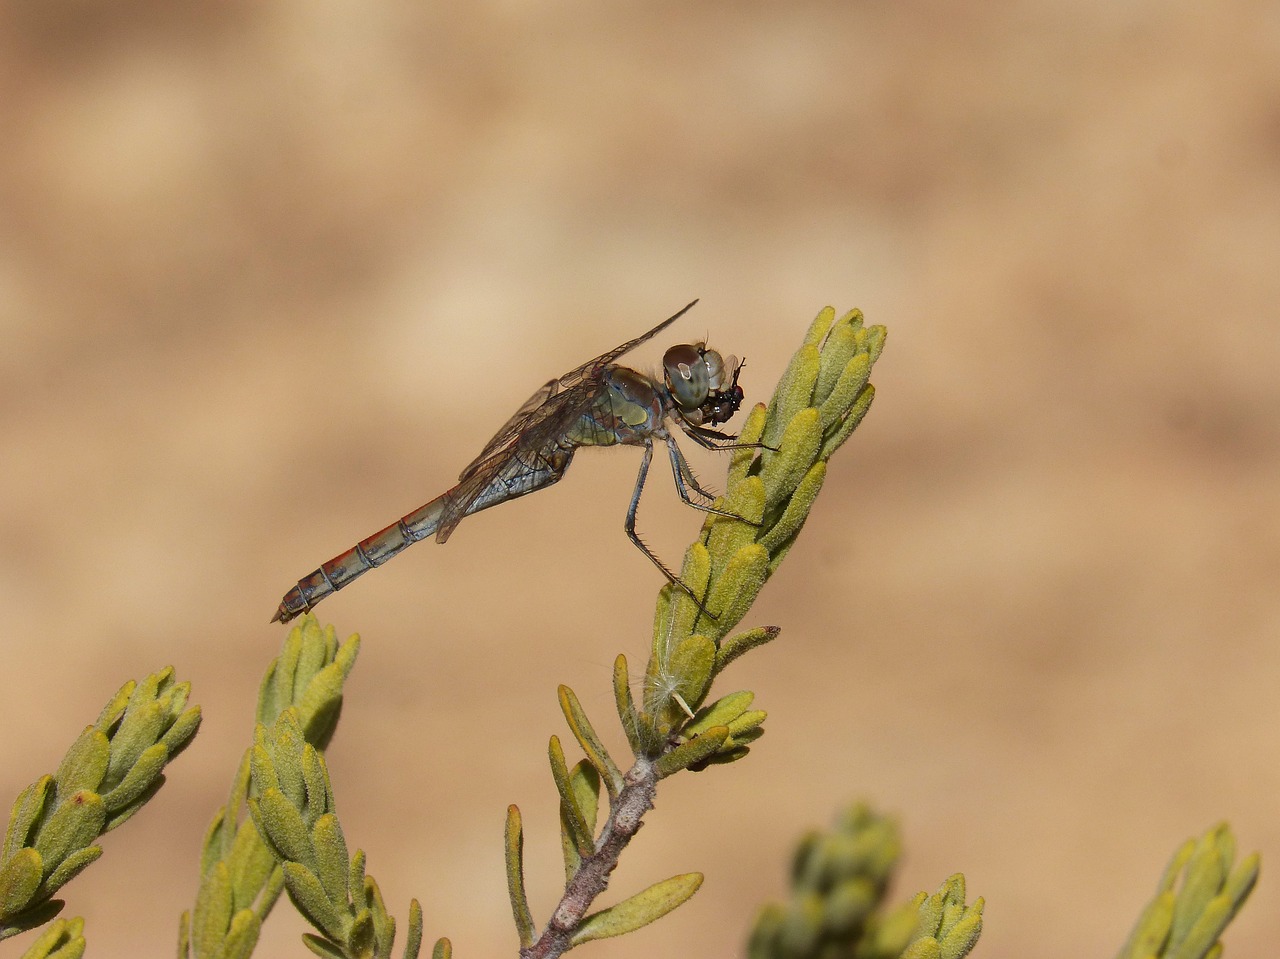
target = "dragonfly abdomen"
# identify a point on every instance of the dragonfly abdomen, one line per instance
(359, 559)
(527, 471)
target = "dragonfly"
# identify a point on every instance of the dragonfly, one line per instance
(599, 403)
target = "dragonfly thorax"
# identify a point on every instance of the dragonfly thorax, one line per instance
(702, 383)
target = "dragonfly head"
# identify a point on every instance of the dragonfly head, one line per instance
(703, 384)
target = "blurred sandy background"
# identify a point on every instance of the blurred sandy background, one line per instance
(271, 273)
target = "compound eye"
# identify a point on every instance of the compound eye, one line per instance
(687, 375)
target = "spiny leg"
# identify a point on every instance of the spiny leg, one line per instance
(630, 527)
(683, 474)
(711, 440)
(715, 440)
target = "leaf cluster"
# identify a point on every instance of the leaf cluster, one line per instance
(241, 878)
(777, 470)
(838, 884)
(107, 775)
(1199, 893)
(774, 477)
(292, 806)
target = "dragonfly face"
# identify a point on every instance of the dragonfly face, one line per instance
(704, 386)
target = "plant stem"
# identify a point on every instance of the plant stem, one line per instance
(625, 819)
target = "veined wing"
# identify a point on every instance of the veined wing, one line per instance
(529, 457)
(532, 415)
(513, 427)
(575, 376)
(525, 453)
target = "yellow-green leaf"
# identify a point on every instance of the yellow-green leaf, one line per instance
(782, 534)
(720, 713)
(839, 347)
(963, 936)
(514, 854)
(853, 379)
(213, 910)
(75, 863)
(835, 439)
(27, 809)
(793, 393)
(798, 450)
(740, 459)
(63, 939)
(309, 896)
(144, 772)
(925, 948)
(75, 824)
(19, 880)
(413, 937)
(738, 586)
(241, 938)
(284, 827)
(638, 910)
(1152, 929)
(333, 864)
(578, 840)
(726, 535)
(322, 948)
(690, 669)
(739, 643)
(694, 750)
(821, 326)
(85, 763)
(640, 732)
(589, 741)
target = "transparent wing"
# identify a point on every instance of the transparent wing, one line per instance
(604, 359)
(529, 457)
(513, 427)
(524, 450)
(532, 416)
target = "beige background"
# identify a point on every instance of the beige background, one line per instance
(271, 273)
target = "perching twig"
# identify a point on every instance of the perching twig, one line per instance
(625, 819)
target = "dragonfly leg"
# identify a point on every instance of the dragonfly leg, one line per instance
(630, 527)
(715, 440)
(684, 475)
